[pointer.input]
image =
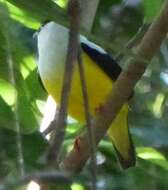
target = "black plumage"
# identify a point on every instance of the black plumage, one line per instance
(103, 60)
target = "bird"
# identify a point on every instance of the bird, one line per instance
(101, 72)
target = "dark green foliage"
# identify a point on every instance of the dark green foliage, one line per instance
(34, 147)
(6, 114)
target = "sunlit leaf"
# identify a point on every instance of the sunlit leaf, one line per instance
(148, 153)
(28, 66)
(76, 186)
(34, 86)
(28, 121)
(20, 16)
(73, 129)
(157, 106)
(40, 10)
(153, 156)
(61, 3)
(8, 92)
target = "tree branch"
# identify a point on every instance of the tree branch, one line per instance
(127, 80)
(88, 119)
(88, 12)
(71, 58)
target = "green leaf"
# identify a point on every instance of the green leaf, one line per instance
(151, 9)
(41, 10)
(6, 115)
(73, 129)
(20, 16)
(27, 118)
(34, 86)
(33, 145)
(153, 156)
(8, 92)
(3, 58)
(76, 186)
(148, 153)
(17, 49)
(61, 3)
(4, 69)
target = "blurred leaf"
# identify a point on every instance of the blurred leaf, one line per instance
(152, 9)
(34, 146)
(73, 129)
(34, 86)
(148, 153)
(20, 16)
(28, 121)
(6, 115)
(16, 53)
(28, 66)
(61, 3)
(157, 106)
(3, 58)
(76, 186)
(153, 135)
(153, 156)
(41, 10)
(21, 188)
(8, 92)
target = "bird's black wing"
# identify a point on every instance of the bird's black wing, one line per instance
(103, 60)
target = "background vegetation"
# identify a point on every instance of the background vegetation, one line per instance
(22, 98)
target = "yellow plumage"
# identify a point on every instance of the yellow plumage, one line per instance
(98, 87)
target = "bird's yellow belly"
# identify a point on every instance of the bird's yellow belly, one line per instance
(98, 87)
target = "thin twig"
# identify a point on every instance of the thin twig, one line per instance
(122, 89)
(57, 134)
(117, 18)
(88, 119)
(16, 109)
(71, 58)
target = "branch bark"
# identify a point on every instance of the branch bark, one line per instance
(127, 80)
(71, 58)
(88, 119)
